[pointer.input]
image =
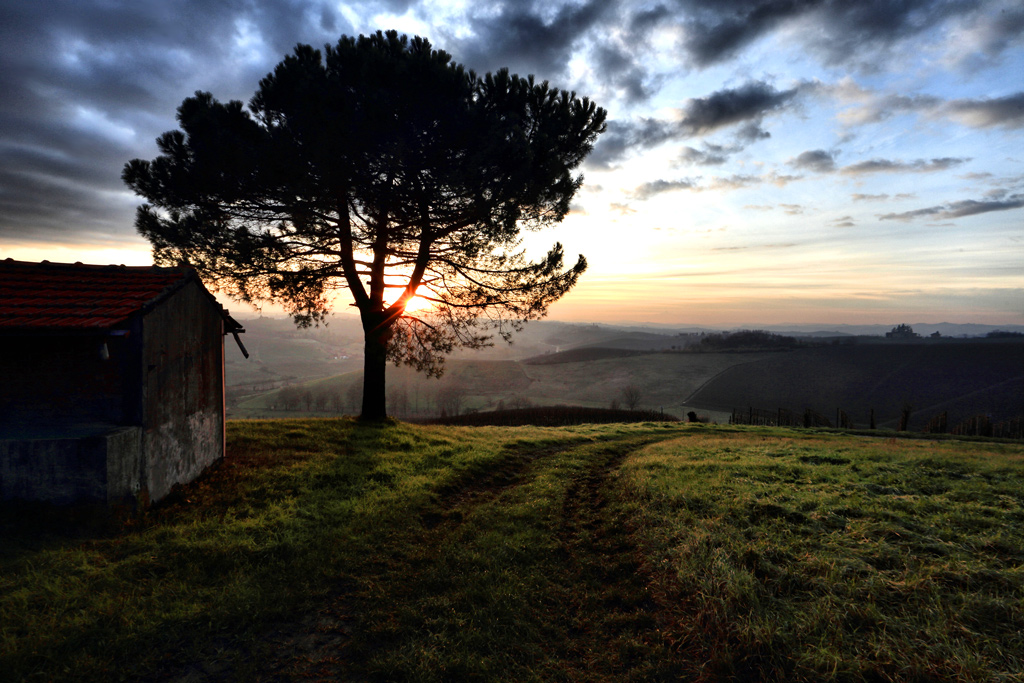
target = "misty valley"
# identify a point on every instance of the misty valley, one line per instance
(862, 378)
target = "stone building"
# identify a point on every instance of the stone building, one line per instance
(111, 381)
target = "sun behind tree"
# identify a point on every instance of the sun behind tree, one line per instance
(378, 159)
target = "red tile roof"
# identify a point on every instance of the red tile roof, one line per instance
(77, 297)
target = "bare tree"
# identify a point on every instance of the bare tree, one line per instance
(450, 397)
(354, 395)
(631, 395)
(398, 399)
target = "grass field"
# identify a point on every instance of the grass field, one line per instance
(331, 550)
(834, 558)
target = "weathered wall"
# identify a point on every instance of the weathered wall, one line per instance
(183, 399)
(124, 465)
(98, 468)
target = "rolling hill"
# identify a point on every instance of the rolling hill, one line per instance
(963, 378)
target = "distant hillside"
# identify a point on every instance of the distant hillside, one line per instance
(962, 378)
(580, 355)
(664, 380)
(923, 329)
(642, 341)
(280, 353)
(592, 365)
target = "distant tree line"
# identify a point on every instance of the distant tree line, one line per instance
(324, 398)
(745, 340)
(447, 397)
(902, 331)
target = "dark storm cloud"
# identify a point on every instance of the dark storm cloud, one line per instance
(735, 181)
(718, 30)
(991, 32)
(89, 85)
(1007, 112)
(711, 155)
(960, 209)
(622, 137)
(855, 28)
(744, 108)
(613, 38)
(891, 166)
(816, 160)
(747, 104)
(752, 132)
(649, 18)
(656, 187)
(620, 70)
(876, 108)
(839, 32)
(527, 38)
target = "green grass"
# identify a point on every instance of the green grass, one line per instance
(831, 558)
(327, 549)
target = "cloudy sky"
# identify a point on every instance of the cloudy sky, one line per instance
(766, 161)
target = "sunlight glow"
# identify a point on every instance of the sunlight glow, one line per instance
(415, 304)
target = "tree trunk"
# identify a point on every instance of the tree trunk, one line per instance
(374, 366)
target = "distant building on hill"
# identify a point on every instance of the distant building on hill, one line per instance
(113, 381)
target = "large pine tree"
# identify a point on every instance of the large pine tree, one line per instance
(383, 167)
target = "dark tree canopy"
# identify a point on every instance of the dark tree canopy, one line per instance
(381, 166)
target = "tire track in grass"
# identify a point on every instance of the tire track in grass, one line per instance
(492, 591)
(485, 486)
(315, 647)
(597, 622)
(612, 617)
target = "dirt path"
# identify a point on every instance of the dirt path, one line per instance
(614, 615)
(315, 647)
(607, 615)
